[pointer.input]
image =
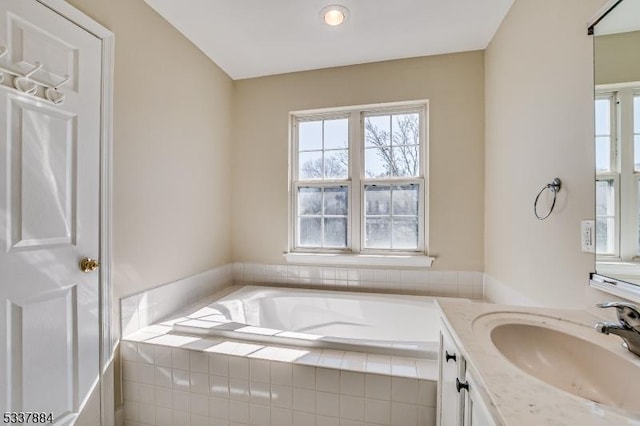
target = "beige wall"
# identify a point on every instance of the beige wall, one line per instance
(454, 86)
(616, 57)
(171, 140)
(173, 158)
(539, 125)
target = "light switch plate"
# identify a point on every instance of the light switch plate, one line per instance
(587, 236)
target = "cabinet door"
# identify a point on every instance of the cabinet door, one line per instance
(451, 367)
(475, 411)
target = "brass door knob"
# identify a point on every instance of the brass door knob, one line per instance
(89, 265)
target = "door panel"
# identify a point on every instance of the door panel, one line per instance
(37, 324)
(30, 44)
(49, 215)
(43, 152)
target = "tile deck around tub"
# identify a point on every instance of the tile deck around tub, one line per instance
(414, 368)
(186, 380)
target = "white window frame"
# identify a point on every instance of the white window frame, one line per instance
(615, 177)
(614, 164)
(320, 183)
(623, 170)
(355, 253)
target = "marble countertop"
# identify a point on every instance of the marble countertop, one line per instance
(513, 397)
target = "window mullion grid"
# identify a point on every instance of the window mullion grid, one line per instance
(637, 215)
(423, 154)
(391, 191)
(614, 132)
(322, 185)
(356, 180)
(395, 181)
(627, 212)
(636, 174)
(617, 245)
(612, 179)
(391, 153)
(322, 170)
(611, 134)
(618, 151)
(356, 162)
(391, 183)
(294, 155)
(322, 237)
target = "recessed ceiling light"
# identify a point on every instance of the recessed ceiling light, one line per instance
(334, 15)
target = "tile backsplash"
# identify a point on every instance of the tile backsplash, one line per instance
(142, 309)
(467, 284)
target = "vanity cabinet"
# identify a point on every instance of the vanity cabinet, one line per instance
(451, 368)
(459, 403)
(475, 411)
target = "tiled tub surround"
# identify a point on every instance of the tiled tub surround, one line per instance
(179, 380)
(145, 308)
(463, 284)
(148, 307)
(184, 380)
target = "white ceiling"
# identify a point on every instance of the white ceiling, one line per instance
(251, 38)
(623, 18)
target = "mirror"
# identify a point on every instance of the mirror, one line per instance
(617, 144)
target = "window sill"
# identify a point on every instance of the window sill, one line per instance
(386, 260)
(624, 289)
(611, 266)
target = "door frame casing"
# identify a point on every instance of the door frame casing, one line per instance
(107, 330)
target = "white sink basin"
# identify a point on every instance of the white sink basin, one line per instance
(568, 356)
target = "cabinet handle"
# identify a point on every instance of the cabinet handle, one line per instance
(460, 385)
(447, 357)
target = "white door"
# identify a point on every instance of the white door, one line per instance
(49, 215)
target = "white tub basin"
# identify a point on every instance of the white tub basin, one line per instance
(373, 323)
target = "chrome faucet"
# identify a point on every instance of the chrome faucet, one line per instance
(628, 326)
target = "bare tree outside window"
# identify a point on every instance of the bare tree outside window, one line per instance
(396, 148)
(335, 166)
(323, 149)
(392, 145)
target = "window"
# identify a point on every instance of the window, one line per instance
(606, 216)
(358, 181)
(605, 133)
(607, 176)
(617, 139)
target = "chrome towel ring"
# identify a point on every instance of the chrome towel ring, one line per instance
(554, 186)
